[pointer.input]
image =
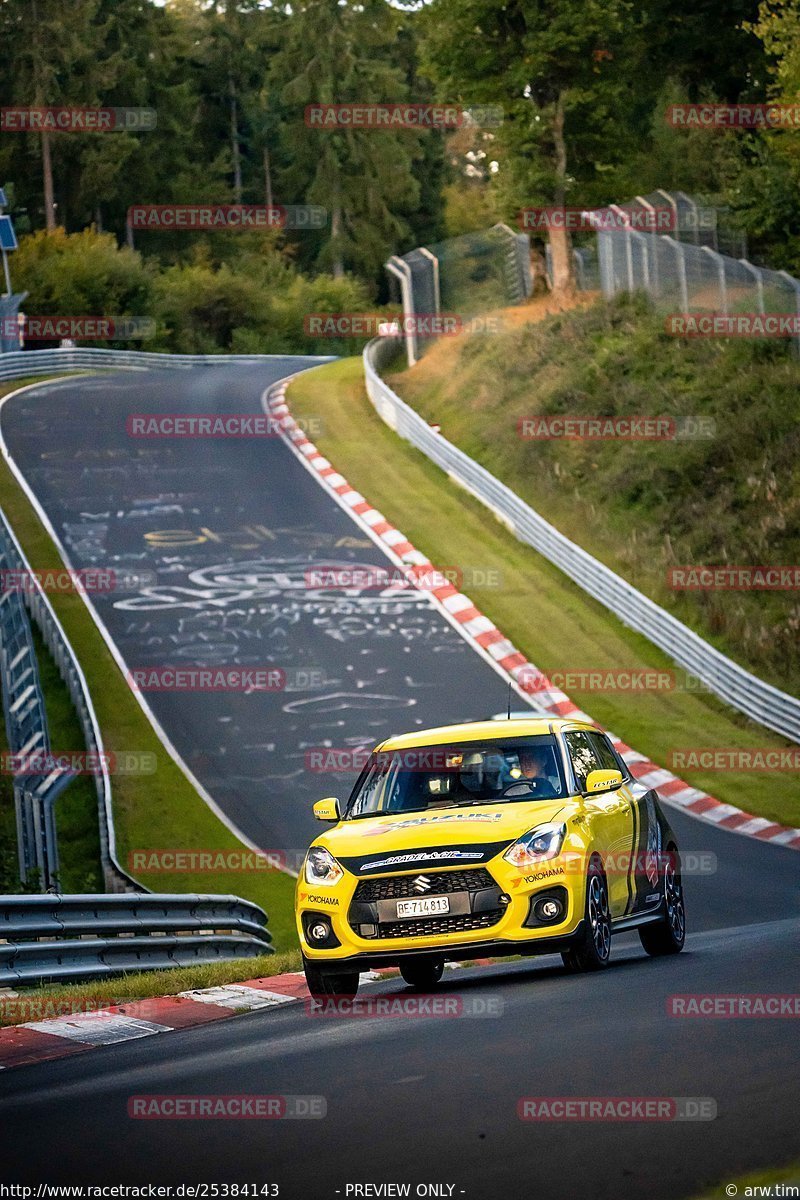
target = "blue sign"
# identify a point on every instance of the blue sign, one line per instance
(8, 239)
(3, 200)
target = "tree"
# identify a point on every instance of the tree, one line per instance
(337, 53)
(81, 273)
(553, 67)
(51, 49)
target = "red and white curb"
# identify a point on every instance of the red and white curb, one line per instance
(59, 1036)
(527, 679)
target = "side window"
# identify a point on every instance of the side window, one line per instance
(608, 759)
(584, 756)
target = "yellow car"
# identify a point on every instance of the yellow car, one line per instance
(483, 839)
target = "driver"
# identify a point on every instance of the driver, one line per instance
(538, 767)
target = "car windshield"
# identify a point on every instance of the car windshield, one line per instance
(433, 777)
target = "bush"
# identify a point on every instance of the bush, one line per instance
(81, 274)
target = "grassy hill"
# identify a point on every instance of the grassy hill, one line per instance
(642, 507)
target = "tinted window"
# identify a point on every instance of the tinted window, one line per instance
(584, 757)
(430, 777)
(608, 759)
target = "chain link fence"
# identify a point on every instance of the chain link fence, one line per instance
(459, 279)
(686, 271)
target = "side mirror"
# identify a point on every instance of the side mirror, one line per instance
(328, 809)
(602, 781)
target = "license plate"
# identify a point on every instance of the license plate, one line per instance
(425, 907)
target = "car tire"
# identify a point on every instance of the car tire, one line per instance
(322, 984)
(668, 936)
(593, 951)
(422, 974)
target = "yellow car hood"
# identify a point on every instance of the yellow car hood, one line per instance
(490, 826)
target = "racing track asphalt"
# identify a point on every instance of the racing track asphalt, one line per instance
(230, 527)
(419, 1100)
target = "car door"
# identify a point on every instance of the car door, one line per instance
(610, 814)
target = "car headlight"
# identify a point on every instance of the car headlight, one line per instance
(321, 867)
(543, 842)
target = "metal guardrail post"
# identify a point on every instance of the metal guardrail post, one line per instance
(795, 285)
(605, 263)
(716, 257)
(519, 248)
(754, 271)
(580, 270)
(437, 296)
(402, 272)
(688, 200)
(651, 208)
(642, 242)
(682, 281)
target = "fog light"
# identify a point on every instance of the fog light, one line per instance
(319, 931)
(548, 910)
(503, 899)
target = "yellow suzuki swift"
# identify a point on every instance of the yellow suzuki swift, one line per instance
(517, 837)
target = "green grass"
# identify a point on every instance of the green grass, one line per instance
(159, 811)
(643, 506)
(34, 1004)
(546, 616)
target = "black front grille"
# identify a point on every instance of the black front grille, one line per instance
(432, 926)
(397, 887)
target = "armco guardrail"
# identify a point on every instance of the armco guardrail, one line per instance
(41, 611)
(63, 938)
(20, 364)
(760, 701)
(27, 731)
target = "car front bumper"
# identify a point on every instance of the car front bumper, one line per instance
(498, 912)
